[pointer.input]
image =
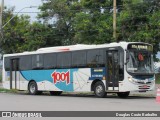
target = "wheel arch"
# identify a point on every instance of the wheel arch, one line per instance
(30, 82)
(94, 82)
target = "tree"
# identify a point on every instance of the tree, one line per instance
(139, 22)
(68, 22)
(60, 12)
(80, 21)
(13, 32)
(20, 35)
(93, 25)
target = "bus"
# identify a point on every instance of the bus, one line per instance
(106, 68)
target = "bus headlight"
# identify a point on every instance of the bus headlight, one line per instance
(130, 79)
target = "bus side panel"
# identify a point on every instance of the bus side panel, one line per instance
(6, 79)
(23, 82)
(81, 80)
(60, 79)
(20, 84)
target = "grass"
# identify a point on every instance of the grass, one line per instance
(158, 78)
(2, 90)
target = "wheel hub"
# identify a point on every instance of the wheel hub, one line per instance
(99, 89)
(32, 88)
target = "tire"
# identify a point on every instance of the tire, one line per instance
(33, 89)
(123, 94)
(55, 93)
(99, 89)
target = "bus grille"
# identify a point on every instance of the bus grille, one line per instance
(144, 87)
(145, 83)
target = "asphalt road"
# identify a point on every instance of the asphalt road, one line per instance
(78, 102)
(75, 102)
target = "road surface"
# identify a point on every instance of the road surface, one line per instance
(75, 102)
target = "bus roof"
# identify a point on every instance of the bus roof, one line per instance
(70, 48)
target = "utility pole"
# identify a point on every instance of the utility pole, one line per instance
(1, 14)
(114, 18)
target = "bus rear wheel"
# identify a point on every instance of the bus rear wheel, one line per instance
(33, 89)
(123, 94)
(99, 89)
(56, 93)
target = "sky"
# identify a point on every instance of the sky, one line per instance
(20, 4)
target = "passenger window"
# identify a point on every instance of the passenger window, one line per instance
(63, 60)
(7, 63)
(79, 59)
(37, 61)
(25, 62)
(50, 60)
(95, 58)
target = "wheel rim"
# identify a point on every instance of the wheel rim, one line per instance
(32, 88)
(99, 90)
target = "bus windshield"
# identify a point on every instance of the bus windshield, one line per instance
(140, 62)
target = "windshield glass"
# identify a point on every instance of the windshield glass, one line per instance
(139, 62)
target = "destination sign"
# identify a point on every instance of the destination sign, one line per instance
(140, 47)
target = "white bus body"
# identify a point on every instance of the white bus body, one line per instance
(115, 67)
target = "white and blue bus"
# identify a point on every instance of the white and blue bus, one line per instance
(108, 68)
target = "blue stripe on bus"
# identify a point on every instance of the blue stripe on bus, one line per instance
(43, 75)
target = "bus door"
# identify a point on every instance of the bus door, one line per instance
(14, 74)
(112, 66)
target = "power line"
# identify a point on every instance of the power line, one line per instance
(25, 12)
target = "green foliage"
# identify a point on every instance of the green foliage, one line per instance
(158, 78)
(94, 24)
(2, 90)
(80, 21)
(68, 22)
(63, 14)
(139, 22)
(20, 35)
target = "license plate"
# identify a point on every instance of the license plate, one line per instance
(145, 86)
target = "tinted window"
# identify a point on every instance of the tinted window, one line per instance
(95, 58)
(25, 63)
(121, 65)
(63, 60)
(79, 59)
(15, 64)
(50, 60)
(7, 63)
(37, 61)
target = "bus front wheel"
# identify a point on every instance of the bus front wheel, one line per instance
(123, 94)
(55, 93)
(33, 89)
(99, 89)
